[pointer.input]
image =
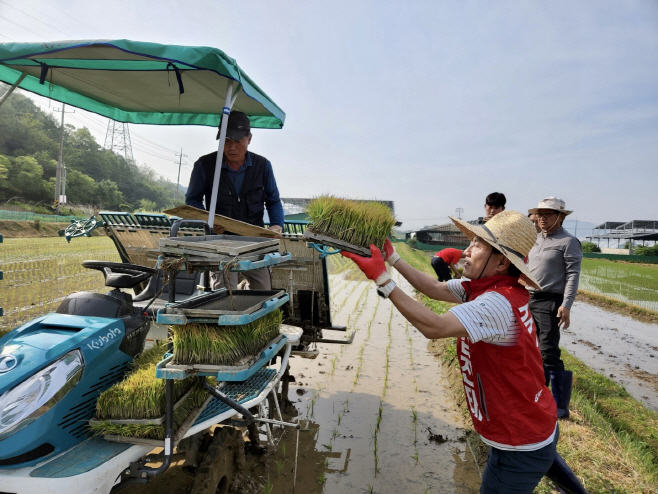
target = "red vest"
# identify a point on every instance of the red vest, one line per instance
(504, 385)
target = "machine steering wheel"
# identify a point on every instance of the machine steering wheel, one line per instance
(121, 275)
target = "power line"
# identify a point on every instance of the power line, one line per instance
(38, 20)
(22, 27)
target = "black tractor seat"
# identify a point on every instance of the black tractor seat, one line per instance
(186, 287)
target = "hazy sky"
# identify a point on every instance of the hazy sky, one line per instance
(431, 104)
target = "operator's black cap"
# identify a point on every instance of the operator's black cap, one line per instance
(238, 126)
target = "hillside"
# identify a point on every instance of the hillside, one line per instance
(29, 148)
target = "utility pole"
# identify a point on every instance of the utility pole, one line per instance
(180, 164)
(60, 162)
(459, 212)
(575, 232)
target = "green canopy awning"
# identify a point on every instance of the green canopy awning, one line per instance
(138, 82)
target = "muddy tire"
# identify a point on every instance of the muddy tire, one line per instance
(225, 456)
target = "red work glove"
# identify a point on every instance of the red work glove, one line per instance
(390, 256)
(373, 267)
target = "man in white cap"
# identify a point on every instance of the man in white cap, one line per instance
(554, 261)
(510, 405)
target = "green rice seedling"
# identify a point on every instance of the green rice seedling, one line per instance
(359, 223)
(322, 478)
(268, 487)
(279, 467)
(140, 395)
(224, 345)
(335, 433)
(328, 446)
(370, 489)
(338, 419)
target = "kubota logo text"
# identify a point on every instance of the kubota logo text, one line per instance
(101, 340)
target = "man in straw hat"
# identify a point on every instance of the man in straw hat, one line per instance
(554, 261)
(503, 378)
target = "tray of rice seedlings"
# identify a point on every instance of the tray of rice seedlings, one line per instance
(223, 307)
(135, 407)
(218, 246)
(348, 225)
(228, 353)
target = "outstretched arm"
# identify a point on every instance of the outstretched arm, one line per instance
(422, 282)
(424, 320)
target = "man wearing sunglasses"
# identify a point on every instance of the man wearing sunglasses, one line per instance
(554, 261)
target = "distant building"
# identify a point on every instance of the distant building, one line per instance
(629, 231)
(447, 234)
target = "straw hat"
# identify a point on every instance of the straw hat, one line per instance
(512, 233)
(554, 203)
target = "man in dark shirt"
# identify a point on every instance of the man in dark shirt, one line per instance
(554, 261)
(246, 187)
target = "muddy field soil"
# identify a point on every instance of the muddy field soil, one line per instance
(617, 346)
(376, 416)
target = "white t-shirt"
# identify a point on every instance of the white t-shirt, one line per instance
(488, 318)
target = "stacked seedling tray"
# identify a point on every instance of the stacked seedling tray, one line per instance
(218, 251)
(227, 353)
(348, 225)
(133, 410)
(223, 307)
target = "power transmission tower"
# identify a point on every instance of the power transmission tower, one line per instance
(459, 212)
(180, 164)
(117, 139)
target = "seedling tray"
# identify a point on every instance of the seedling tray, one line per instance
(166, 370)
(311, 236)
(240, 263)
(212, 245)
(156, 421)
(216, 307)
(179, 433)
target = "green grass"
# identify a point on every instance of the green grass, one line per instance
(356, 222)
(610, 441)
(223, 345)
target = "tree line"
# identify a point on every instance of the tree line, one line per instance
(29, 149)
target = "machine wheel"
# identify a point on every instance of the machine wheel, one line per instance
(225, 456)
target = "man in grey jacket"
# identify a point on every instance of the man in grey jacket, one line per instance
(554, 261)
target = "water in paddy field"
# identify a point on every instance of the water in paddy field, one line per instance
(619, 347)
(377, 415)
(627, 283)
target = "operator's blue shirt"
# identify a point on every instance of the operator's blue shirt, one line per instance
(273, 204)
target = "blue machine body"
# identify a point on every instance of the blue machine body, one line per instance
(106, 350)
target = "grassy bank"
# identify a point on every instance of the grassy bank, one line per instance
(610, 441)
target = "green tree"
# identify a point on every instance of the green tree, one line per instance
(80, 188)
(108, 195)
(146, 206)
(25, 179)
(4, 168)
(589, 247)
